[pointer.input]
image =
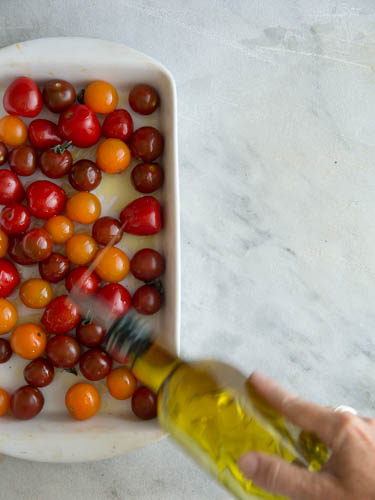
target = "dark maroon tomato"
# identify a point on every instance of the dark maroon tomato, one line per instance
(15, 219)
(9, 277)
(23, 98)
(16, 253)
(63, 351)
(43, 134)
(55, 268)
(82, 281)
(90, 334)
(95, 364)
(5, 351)
(58, 95)
(147, 264)
(45, 199)
(118, 124)
(3, 153)
(61, 315)
(11, 189)
(22, 160)
(39, 373)
(26, 402)
(37, 244)
(147, 300)
(144, 403)
(147, 177)
(146, 144)
(85, 175)
(80, 125)
(54, 164)
(143, 99)
(115, 299)
(107, 231)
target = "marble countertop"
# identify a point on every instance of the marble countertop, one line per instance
(276, 137)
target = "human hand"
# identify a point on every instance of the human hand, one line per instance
(349, 474)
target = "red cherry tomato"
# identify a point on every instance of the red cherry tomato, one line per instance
(147, 300)
(82, 281)
(142, 216)
(55, 164)
(9, 277)
(11, 189)
(26, 402)
(39, 373)
(144, 403)
(22, 160)
(23, 98)
(45, 199)
(37, 244)
(95, 364)
(15, 219)
(147, 177)
(147, 264)
(43, 134)
(88, 334)
(55, 268)
(80, 125)
(63, 351)
(115, 299)
(118, 125)
(146, 143)
(16, 252)
(61, 315)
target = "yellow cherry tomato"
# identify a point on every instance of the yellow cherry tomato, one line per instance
(36, 293)
(8, 316)
(81, 249)
(4, 402)
(82, 400)
(101, 97)
(28, 341)
(121, 383)
(113, 156)
(83, 207)
(60, 228)
(3, 243)
(13, 131)
(111, 264)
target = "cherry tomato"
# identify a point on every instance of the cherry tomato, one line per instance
(83, 207)
(5, 351)
(39, 373)
(3, 153)
(16, 252)
(80, 125)
(58, 95)
(82, 281)
(36, 293)
(13, 131)
(146, 144)
(89, 334)
(143, 99)
(147, 177)
(113, 156)
(9, 277)
(8, 316)
(22, 160)
(111, 264)
(45, 199)
(115, 299)
(85, 175)
(55, 268)
(23, 98)
(63, 351)
(11, 189)
(44, 134)
(144, 403)
(60, 228)
(107, 231)
(101, 97)
(54, 164)
(15, 219)
(82, 401)
(26, 402)
(4, 402)
(28, 340)
(121, 383)
(147, 300)
(3, 243)
(61, 315)
(37, 244)
(95, 364)
(81, 249)
(142, 216)
(147, 264)
(118, 124)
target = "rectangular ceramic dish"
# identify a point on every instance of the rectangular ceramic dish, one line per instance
(53, 435)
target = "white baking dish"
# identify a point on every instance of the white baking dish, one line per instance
(53, 435)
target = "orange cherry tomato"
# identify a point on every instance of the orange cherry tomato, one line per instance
(3, 243)
(60, 228)
(121, 383)
(36, 293)
(83, 207)
(113, 156)
(82, 401)
(101, 97)
(111, 264)
(28, 340)
(8, 316)
(81, 249)
(13, 131)
(4, 402)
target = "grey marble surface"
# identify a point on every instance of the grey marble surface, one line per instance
(276, 137)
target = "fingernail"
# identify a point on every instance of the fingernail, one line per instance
(248, 464)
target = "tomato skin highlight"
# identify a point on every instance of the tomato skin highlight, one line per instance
(23, 98)
(80, 125)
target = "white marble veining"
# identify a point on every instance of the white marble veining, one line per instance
(277, 147)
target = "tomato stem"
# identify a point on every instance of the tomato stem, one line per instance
(60, 148)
